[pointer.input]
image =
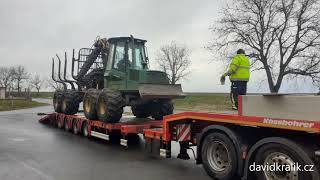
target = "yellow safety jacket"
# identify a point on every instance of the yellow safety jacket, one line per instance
(239, 69)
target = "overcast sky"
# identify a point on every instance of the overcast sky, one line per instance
(33, 31)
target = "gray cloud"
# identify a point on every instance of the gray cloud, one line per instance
(33, 31)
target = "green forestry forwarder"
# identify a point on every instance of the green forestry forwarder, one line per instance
(114, 73)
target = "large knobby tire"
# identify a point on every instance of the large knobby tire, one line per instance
(110, 106)
(284, 155)
(162, 108)
(141, 111)
(70, 102)
(219, 156)
(57, 101)
(89, 103)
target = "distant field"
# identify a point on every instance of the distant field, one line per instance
(193, 101)
(46, 95)
(204, 102)
(7, 104)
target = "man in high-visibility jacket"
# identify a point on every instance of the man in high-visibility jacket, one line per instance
(239, 74)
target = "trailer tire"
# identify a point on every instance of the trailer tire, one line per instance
(162, 108)
(89, 103)
(65, 125)
(84, 129)
(284, 155)
(75, 129)
(141, 111)
(110, 106)
(60, 124)
(219, 156)
(57, 101)
(70, 103)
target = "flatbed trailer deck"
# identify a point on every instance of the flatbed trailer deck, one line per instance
(228, 145)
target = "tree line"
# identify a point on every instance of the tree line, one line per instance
(17, 78)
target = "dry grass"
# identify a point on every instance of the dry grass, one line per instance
(7, 104)
(204, 102)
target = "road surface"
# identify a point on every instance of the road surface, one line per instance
(32, 151)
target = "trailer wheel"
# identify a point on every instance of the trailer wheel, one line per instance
(89, 103)
(280, 154)
(110, 106)
(70, 103)
(84, 129)
(57, 101)
(162, 108)
(65, 125)
(219, 156)
(141, 111)
(75, 129)
(60, 124)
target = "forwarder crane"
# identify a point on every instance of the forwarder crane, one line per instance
(113, 74)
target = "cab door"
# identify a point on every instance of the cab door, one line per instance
(115, 74)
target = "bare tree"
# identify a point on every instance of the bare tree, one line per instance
(36, 82)
(19, 74)
(174, 60)
(6, 74)
(53, 85)
(284, 36)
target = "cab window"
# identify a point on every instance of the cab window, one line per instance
(140, 58)
(119, 56)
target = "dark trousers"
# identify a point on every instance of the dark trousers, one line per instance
(237, 88)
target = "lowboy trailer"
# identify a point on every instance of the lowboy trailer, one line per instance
(228, 145)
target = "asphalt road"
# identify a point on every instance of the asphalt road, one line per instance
(33, 151)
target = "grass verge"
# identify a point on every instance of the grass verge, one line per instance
(204, 102)
(45, 95)
(8, 104)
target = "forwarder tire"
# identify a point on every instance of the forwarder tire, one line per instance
(57, 101)
(219, 156)
(70, 103)
(89, 103)
(161, 108)
(141, 111)
(275, 153)
(110, 106)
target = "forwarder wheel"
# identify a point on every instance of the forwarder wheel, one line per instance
(70, 103)
(110, 106)
(162, 108)
(219, 156)
(141, 111)
(285, 156)
(89, 103)
(57, 101)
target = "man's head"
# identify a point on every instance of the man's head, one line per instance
(241, 51)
